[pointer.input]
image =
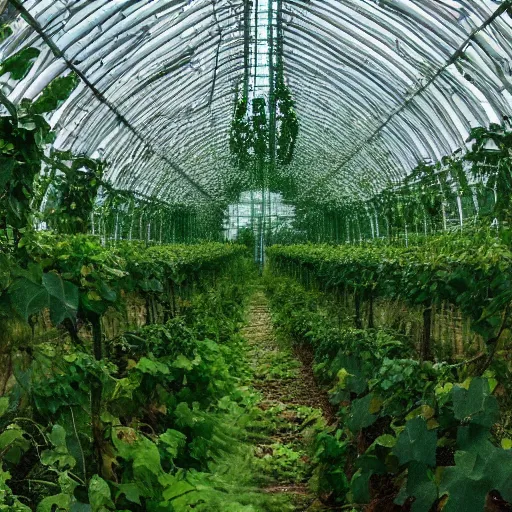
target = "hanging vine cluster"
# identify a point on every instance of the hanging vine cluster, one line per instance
(288, 124)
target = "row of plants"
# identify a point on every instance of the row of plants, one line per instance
(155, 421)
(409, 435)
(472, 271)
(76, 276)
(75, 281)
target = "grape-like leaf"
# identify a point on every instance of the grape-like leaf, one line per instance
(360, 415)
(416, 443)
(475, 404)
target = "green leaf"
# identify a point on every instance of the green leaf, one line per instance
(146, 365)
(99, 494)
(106, 292)
(175, 488)
(135, 447)
(5, 32)
(387, 440)
(184, 416)
(151, 285)
(4, 405)
(464, 484)
(131, 491)
(9, 436)
(7, 165)
(28, 298)
(56, 92)
(174, 441)
(61, 501)
(360, 486)
(475, 404)
(183, 363)
(80, 507)
(63, 298)
(20, 63)
(421, 487)
(59, 456)
(416, 443)
(360, 415)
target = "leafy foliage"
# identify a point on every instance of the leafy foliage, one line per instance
(474, 273)
(399, 419)
(173, 396)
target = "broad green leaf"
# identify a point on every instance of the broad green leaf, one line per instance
(58, 456)
(184, 416)
(133, 446)
(464, 484)
(7, 165)
(420, 485)
(28, 298)
(58, 436)
(183, 363)
(61, 501)
(174, 441)
(4, 405)
(176, 488)
(146, 365)
(99, 494)
(131, 492)
(360, 487)
(151, 285)
(20, 63)
(360, 415)
(63, 298)
(9, 436)
(476, 404)
(387, 440)
(80, 507)
(475, 474)
(416, 443)
(106, 292)
(56, 92)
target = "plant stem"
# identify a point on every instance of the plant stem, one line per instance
(96, 395)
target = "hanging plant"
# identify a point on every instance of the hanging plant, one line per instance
(72, 192)
(241, 134)
(260, 135)
(288, 124)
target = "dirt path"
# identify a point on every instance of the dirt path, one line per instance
(293, 406)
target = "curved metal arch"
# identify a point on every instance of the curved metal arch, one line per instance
(159, 80)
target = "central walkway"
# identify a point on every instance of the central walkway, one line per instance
(291, 402)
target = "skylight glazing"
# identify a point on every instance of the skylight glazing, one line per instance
(378, 86)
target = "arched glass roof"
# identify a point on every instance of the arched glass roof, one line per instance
(378, 86)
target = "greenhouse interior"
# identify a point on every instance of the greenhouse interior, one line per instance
(255, 255)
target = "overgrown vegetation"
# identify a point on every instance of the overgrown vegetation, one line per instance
(473, 272)
(420, 435)
(172, 411)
